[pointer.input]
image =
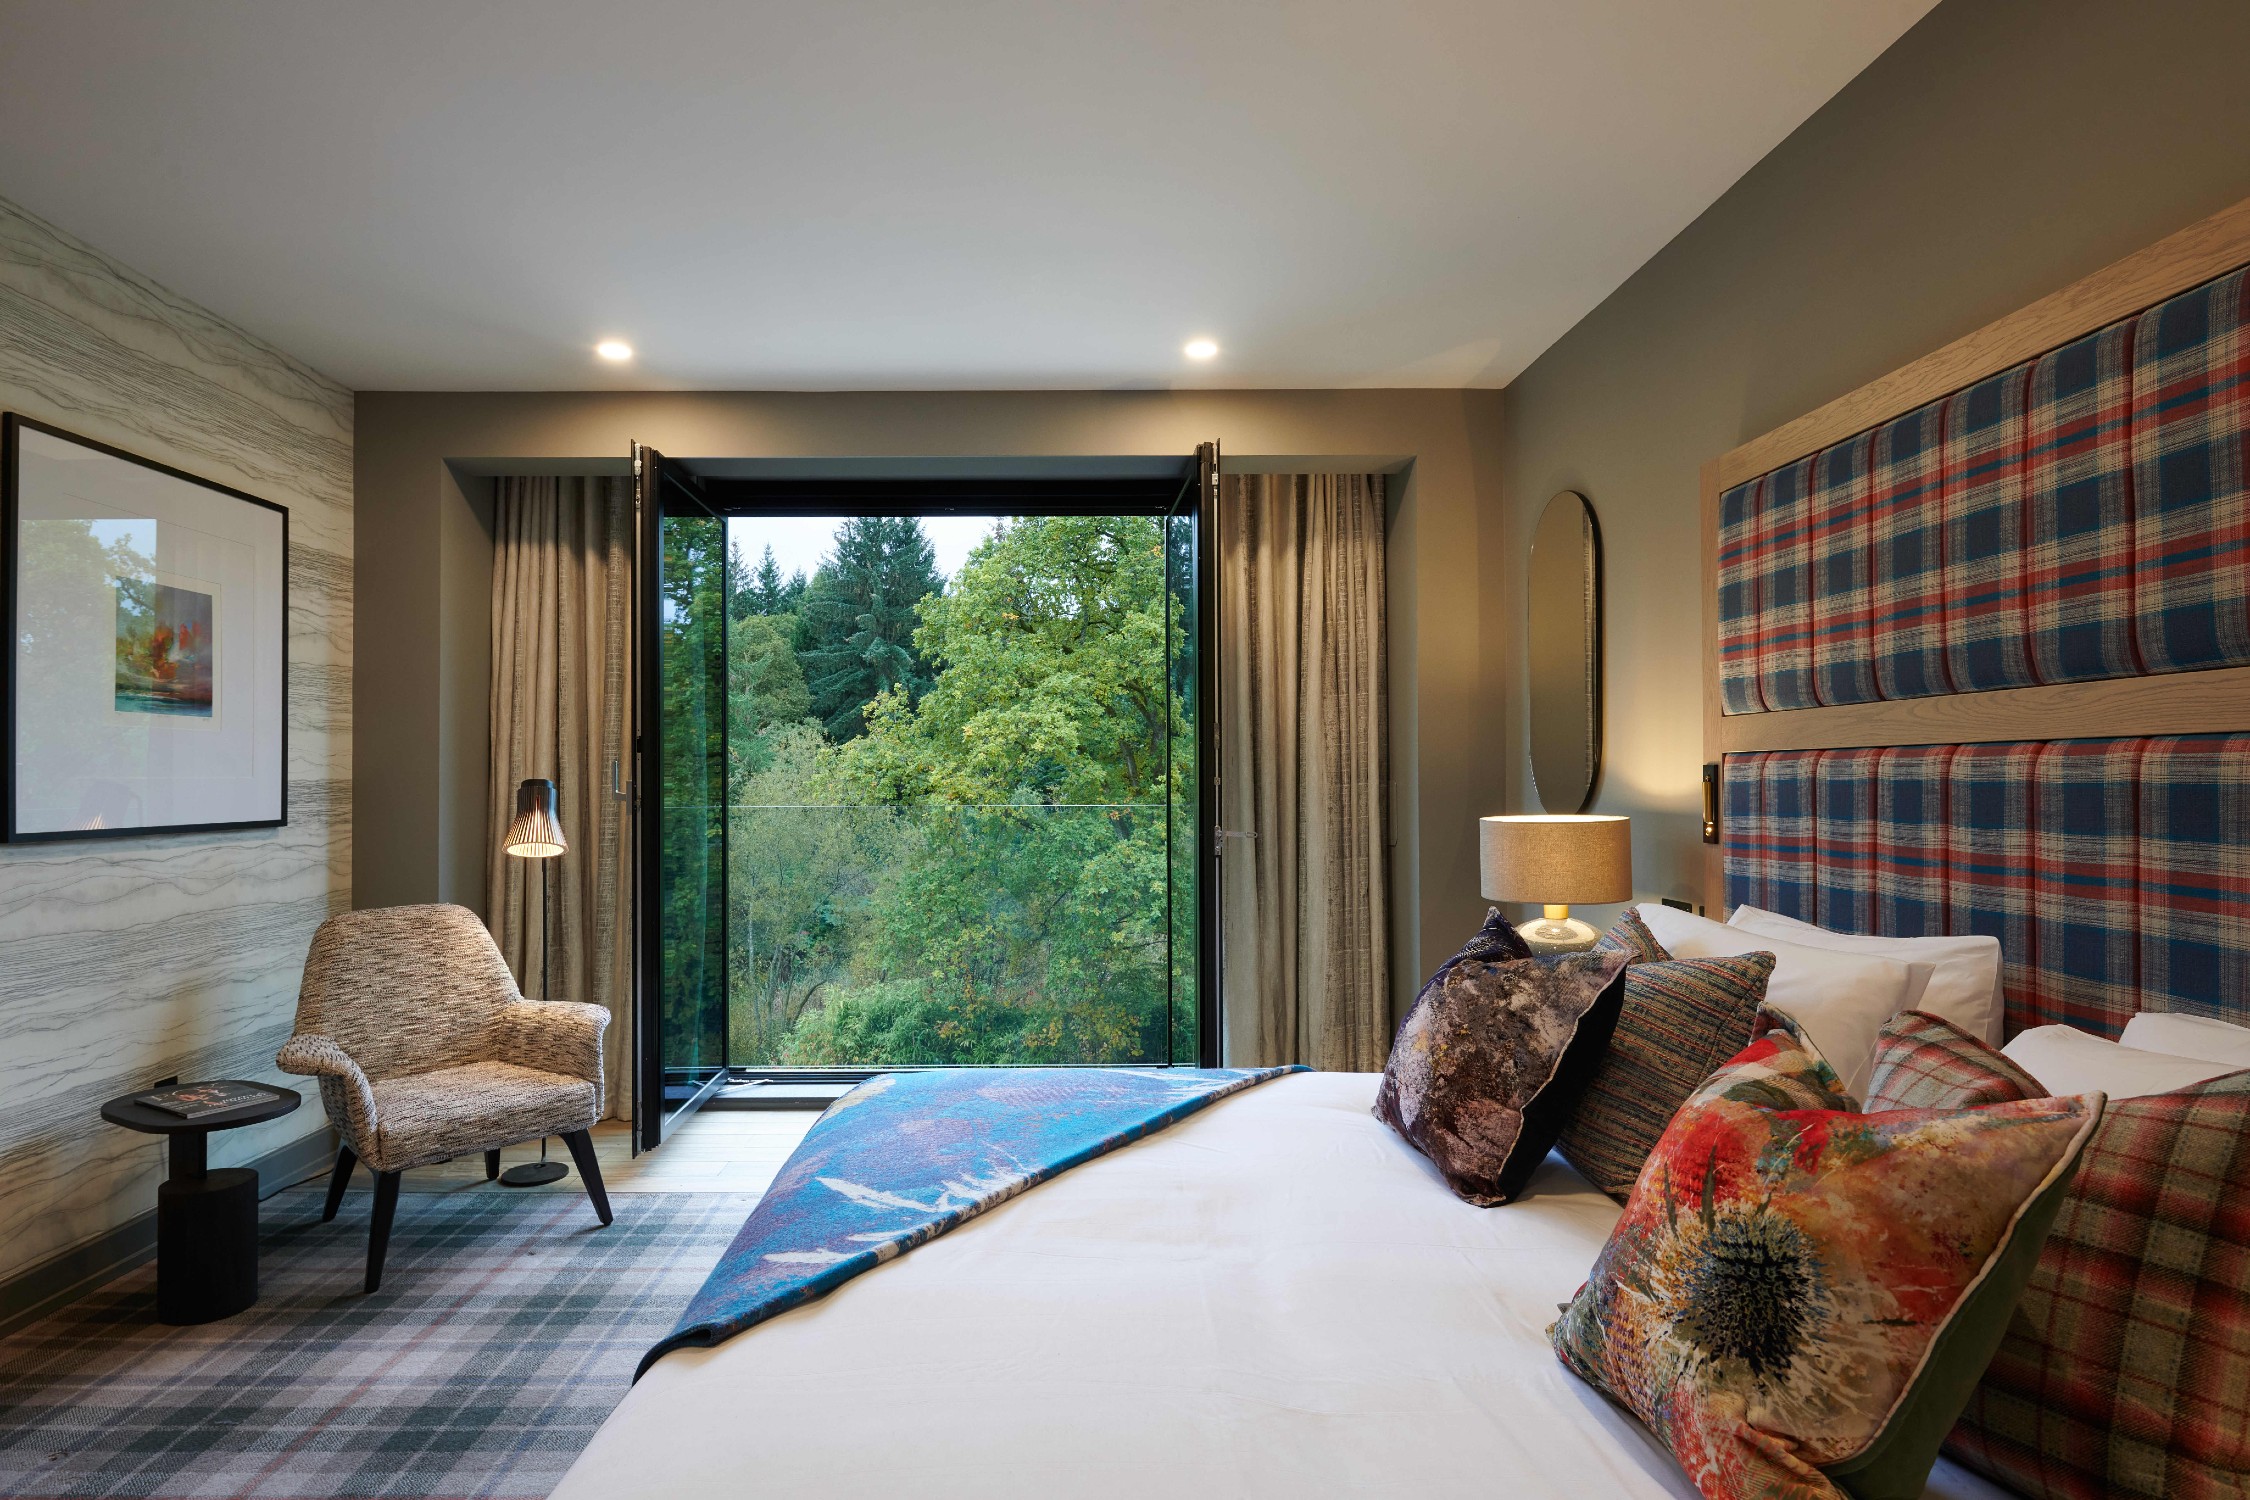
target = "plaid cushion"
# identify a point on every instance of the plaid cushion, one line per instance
(2126, 1370)
(1988, 863)
(1844, 825)
(1983, 502)
(1843, 663)
(1926, 1062)
(2084, 897)
(1911, 831)
(1769, 831)
(2194, 876)
(1782, 570)
(2078, 573)
(1907, 627)
(1631, 937)
(1738, 600)
(2191, 460)
(1683, 1018)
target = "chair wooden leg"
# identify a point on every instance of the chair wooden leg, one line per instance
(379, 1226)
(589, 1170)
(491, 1166)
(339, 1178)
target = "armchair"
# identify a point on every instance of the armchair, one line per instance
(424, 1050)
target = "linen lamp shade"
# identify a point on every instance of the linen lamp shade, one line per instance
(1557, 860)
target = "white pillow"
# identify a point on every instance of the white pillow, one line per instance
(1841, 999)
(2198, 1037)
(2066, 1060)
(1965, 978)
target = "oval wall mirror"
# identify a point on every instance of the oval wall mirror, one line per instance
(1563, 647)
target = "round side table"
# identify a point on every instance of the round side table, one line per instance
(206, 1221)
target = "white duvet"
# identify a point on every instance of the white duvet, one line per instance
(1275, 1297)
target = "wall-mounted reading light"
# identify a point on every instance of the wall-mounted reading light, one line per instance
(1711, 803)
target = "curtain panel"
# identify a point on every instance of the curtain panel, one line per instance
(561, 627)
(1305, 769)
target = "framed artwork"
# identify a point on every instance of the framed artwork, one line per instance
(145, 682)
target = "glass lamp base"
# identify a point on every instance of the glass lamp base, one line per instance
(1558, 935)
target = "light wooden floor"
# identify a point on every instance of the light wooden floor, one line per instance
(716, 1151)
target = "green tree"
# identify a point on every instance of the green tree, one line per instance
(761, 590)
(857, 621)
(1031, 913)
(765, 691)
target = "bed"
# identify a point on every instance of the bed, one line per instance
(1276, 1296)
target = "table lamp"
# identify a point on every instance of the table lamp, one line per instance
(1556, 860)
(537, 834)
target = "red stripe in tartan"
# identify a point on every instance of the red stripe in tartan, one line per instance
(1845, 840)
(1910, 840)
(1988, 864)
(1782, 571)
(1926, 1062)
(2193, 876)
(1907, 593)
(1982, 502)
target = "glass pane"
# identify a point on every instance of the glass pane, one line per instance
(950, 824)
(691, 665)
(1183, 865)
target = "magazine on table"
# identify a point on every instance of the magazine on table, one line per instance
(200, 1099)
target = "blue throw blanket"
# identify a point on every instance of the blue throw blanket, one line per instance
(903, 1158)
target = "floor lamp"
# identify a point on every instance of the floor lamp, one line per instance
(536, 834)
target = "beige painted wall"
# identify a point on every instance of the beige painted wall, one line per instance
(424, 549)
(129, 960)
(2000, 150)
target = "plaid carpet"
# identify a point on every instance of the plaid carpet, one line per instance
(507, 1328)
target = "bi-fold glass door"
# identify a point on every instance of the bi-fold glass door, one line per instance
(931, 788)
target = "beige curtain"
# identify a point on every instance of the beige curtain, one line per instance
(561, 623)
(1304, 769)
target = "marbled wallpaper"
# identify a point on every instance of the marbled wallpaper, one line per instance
(124, 961)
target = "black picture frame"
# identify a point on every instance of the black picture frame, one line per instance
(13, 427)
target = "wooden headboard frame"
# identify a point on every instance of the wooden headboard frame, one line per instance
(2205, 702)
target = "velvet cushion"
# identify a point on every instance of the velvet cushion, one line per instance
(1681, 1020)
(2125, 1370)
(1489, 1061)
(1799, 1298)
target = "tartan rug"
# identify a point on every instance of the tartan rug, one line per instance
(507, 1328)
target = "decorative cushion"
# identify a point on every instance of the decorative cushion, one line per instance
(1921, 1063)
(1490, 1060)
(1682, 1018)
(2126, 1366)
(1799, 1298)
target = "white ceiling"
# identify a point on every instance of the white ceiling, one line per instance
(466, 194)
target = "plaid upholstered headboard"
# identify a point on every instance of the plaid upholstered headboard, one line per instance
(1977, 644)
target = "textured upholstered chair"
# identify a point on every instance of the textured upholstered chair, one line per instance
(425, 1051)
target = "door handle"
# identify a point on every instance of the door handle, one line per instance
(1219, 837)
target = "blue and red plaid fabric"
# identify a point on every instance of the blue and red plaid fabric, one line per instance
(2084, 893)
(2194, 877)
(1907, 578)
(1911, 834)
(1843, 663)
(1844, 833)
(2078, 573)
(2191, 461)
(2115, 873)
(1983, 499)
(1768, 812)
(1738, 599)
(1988, 863)
(1781, 570)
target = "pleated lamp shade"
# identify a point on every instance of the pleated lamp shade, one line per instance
(537, 832)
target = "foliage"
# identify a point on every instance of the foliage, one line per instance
(857, 619)
(761, 590)
(766, 692)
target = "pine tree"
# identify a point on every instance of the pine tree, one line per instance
(857, 617)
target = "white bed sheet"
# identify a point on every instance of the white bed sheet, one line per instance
(1275, 1297)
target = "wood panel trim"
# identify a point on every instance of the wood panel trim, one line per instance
(1714, 722)
(2203, 250)
(2210, 702)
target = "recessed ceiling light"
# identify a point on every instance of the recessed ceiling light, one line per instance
(614, 350)
(1201, 349)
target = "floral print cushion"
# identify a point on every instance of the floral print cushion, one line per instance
(1492, 1057)
(1799, 1297)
